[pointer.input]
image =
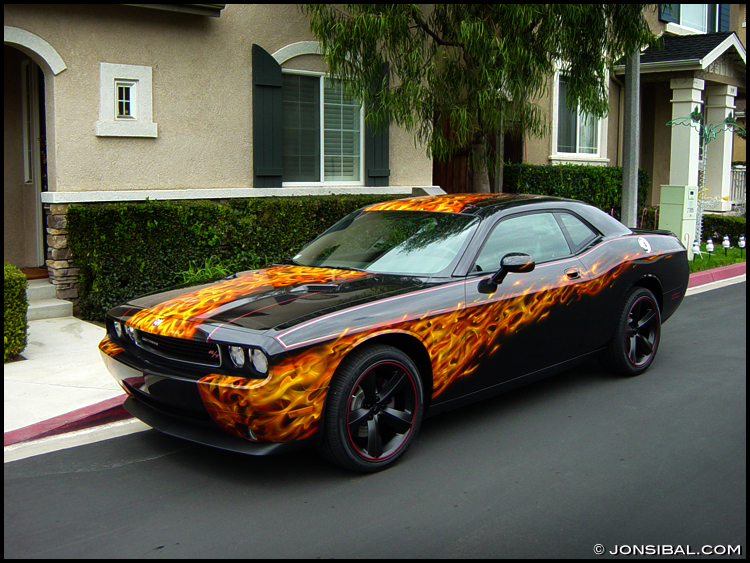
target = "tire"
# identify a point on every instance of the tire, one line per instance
(636, 340)
(373, 409)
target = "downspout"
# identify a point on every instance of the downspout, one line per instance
(620, 111)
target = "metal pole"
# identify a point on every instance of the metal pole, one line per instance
(631, 140)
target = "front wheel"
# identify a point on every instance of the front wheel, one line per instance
(373, 409)
(634, 345)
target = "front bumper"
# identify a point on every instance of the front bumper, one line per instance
(200, 434)
(254, 416)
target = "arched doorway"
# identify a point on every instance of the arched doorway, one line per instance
(29, 64)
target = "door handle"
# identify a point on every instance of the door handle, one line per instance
(573, 273)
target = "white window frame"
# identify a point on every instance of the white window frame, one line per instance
(321, 84)
(682, 29)
(140, 123)
(132, 87)
(557, 157)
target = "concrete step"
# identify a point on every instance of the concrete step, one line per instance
(43, 303)
(40, 289)
(49, 309)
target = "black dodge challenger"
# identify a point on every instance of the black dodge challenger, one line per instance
(401, 308)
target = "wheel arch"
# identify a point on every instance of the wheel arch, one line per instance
(409, 345)
(653, 284)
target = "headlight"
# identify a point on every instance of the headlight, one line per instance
(130, 331)
(237, 353)
(260, 361)
(118, 329)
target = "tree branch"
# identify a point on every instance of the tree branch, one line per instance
(418, 19)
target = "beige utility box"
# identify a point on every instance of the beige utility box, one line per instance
(678, 209)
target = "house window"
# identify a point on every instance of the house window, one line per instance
(125, 105)
(322, 131)
(687, 19)
(125, 100)
(694, 16)
(577, 132)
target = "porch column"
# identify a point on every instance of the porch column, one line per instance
(719, 104)
(683, 162)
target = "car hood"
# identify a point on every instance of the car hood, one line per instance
(275, 297)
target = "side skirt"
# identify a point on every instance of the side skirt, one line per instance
(505, 386)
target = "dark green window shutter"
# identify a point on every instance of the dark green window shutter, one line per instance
(377, 146)
(711, 20)
(266, 120)
(723, 17)
(669, 12)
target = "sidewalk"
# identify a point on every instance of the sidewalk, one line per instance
(62, 386)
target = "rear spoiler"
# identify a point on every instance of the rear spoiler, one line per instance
(653, 232)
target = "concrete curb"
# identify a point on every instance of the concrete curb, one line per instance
(104, 412)
(717, 274)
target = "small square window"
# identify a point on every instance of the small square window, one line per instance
(125, 100)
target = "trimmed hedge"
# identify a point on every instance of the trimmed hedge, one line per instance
(124, 250)
(15, 308)
(598, 185)
(716, 226)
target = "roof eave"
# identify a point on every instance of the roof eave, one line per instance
(665, 66)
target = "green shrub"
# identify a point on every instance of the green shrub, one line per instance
(128, 249)
(716, 226)
(212, 268)
(598, 185)
(15, 307)
(124, 250)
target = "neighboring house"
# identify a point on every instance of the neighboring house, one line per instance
(185, 101)
(702, 63)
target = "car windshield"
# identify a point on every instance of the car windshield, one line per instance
(393, 242)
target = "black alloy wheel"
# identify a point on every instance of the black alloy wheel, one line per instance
(373, 409)
(634, 345)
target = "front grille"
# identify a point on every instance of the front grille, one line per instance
(179, 349)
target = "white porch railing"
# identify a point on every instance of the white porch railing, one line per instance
(738, 197)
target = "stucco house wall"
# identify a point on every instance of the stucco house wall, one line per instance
(202, 94)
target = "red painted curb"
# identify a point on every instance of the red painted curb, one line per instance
(717, 274)
(107, 411)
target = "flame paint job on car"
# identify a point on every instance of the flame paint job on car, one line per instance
(457, 340)
(109, 347)
(451, 203)
(459, 336)
(180, 316)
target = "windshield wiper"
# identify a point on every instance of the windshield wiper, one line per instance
(292, 262)
(344, 268)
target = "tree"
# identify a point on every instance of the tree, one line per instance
(480, 67)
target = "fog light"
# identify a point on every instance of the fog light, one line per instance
(237, 353)
(130, 331)
(260, 361)
(118, 329)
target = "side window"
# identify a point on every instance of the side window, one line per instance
(580, 234)
(537, 234)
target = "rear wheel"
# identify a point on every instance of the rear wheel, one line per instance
(636, 340)
(373, 409)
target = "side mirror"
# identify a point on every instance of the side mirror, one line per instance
(513, 262)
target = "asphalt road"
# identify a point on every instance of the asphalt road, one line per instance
(549, 470)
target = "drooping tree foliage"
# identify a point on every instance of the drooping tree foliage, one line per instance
(480, 67)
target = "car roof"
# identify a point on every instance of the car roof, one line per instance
(470, 203)
(484, 205)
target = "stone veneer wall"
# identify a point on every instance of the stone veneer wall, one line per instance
(63, 273)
